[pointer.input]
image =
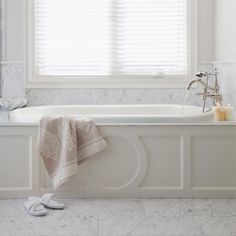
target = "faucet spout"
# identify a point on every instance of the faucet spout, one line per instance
(195, 81)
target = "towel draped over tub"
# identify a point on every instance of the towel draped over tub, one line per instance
(64, 142)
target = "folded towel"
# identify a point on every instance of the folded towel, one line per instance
(64, 142)
(11, 104)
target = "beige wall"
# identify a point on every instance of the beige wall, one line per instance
(205, 30)
(225, 30)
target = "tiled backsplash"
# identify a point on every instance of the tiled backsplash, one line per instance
(104, 96)
(13, 86)
(12, 80)
(227, 79)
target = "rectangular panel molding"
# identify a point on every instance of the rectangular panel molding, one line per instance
(177, 161)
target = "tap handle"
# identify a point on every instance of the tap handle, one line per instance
(201, 74)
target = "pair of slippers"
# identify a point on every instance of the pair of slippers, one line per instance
(36, 206)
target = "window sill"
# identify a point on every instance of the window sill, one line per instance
(108, 83)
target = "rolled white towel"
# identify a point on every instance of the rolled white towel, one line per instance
(11, 104)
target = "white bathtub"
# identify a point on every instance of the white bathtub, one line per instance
(153, 151)
(116, 113)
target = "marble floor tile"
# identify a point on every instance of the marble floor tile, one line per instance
(146, 217)
(124, 216)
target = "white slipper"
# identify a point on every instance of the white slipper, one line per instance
(34, 207)
(49, 201)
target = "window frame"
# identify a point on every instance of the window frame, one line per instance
(125, 81)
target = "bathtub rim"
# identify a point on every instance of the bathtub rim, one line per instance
(116, 118)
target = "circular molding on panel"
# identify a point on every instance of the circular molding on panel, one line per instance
(116, 166)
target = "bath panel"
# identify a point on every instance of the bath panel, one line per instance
(155, 160)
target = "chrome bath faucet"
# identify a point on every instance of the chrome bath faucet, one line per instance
(208, 91)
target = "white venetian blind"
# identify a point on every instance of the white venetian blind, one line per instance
(110, 37)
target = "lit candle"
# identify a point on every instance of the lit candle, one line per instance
(219, 113)
(229, 113)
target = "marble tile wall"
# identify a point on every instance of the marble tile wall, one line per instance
(12, 80)
(13, 86)
(227, 79)
(104, 96)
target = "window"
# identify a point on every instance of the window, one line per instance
(99, 41)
